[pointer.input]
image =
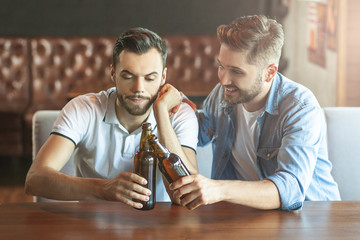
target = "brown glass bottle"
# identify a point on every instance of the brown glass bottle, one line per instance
(169, 163)
(145, 166)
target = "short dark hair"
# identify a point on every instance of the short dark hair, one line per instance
(262, 38)
(139, 40)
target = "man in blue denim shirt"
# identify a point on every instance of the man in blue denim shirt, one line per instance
(268, 132)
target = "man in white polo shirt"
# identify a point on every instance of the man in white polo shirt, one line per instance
(103, 130)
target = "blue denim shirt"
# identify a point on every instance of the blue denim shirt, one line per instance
(290, 141)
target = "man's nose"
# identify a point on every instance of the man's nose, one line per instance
(224, 78)
(138, 85)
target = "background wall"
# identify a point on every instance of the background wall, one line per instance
(168, 17)
(321, 81)
(110, 17)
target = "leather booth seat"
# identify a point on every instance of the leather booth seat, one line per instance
(191, 63)
(14, 93)
(44, 73)
(63, 68)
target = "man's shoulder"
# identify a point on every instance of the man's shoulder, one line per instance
(214, 99)
(292, 92)
(185, 111)
(94, 100)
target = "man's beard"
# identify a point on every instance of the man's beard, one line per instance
(136, 110)
(245, 96)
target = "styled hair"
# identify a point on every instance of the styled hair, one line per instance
(139, 40)
(260, 37)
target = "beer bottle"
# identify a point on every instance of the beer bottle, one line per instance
(169, 163)
(145, 166)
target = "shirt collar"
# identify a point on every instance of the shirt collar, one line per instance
(272, 103)
(110, 114)
(151, 119)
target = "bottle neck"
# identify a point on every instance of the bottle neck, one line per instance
(160, 150)
(144, 143)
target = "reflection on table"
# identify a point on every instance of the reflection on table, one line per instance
(107, 220)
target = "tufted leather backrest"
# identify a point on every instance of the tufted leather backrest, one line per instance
(63, 68)
(14, 75)
(191, 63)
(43, 73)
(66, 67)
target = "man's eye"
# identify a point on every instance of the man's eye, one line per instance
(150, 78)
(126, 76)
(237, 72)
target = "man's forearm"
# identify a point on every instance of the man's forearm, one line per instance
(257, 194)
(169, 138)
(52, 184)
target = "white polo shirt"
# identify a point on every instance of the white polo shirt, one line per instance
(104, 148)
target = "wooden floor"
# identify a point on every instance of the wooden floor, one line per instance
(12, 177)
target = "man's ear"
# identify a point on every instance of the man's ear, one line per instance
(271, 71)
(112, 72)
(163, 76)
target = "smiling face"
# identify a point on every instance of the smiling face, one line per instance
(138, 78)
(242, 82)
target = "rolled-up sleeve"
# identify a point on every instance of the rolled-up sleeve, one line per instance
(303, 133)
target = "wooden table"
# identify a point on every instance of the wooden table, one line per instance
(109, 220)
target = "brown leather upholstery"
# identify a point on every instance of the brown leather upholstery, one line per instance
(14, 93)
(14, 75)
(64, 67)
(191, 63)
